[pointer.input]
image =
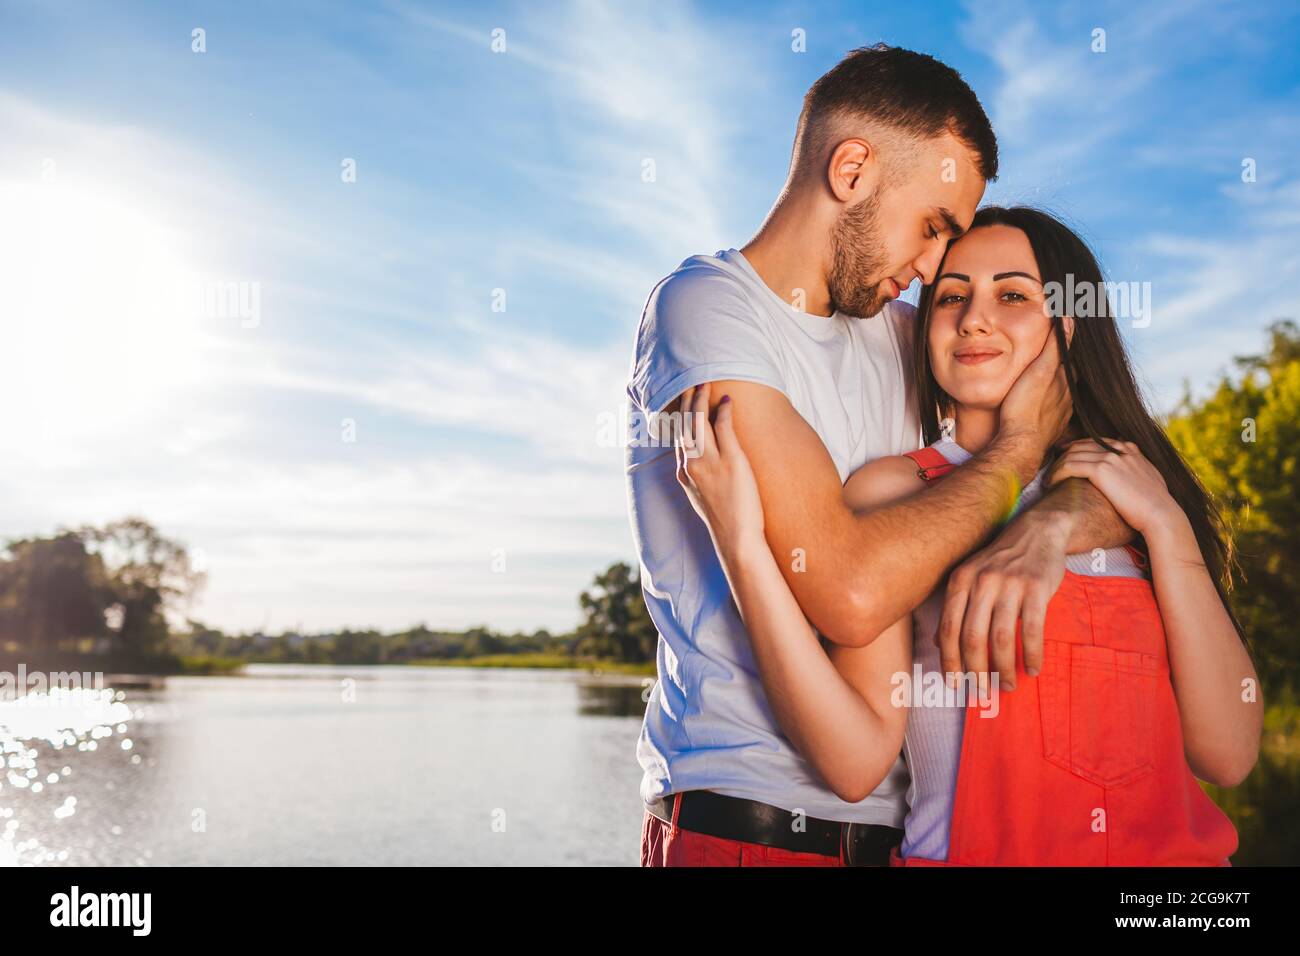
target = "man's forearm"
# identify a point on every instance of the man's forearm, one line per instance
(1088, 516)
(877, 566)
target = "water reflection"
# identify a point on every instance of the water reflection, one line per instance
(320, 765)
(600, 698)
(38, 734)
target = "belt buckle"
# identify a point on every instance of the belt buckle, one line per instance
(854, 842)
(848, 841)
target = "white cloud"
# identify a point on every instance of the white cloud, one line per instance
(376, 533)
(631, 84)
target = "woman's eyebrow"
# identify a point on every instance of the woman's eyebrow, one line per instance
(1007, 275)
(952, 275)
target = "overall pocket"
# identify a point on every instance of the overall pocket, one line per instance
(1095, 704)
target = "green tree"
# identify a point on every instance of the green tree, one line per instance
(52, 592)
(1243, 442)
(358, 647)
(149, 575)
(617, 625)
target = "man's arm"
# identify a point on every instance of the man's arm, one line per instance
(1088, 515)
(856, 574)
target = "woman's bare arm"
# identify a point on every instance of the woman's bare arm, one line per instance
(838, 715)
(1219, 704)
(835, 709)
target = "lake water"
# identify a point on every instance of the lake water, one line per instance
(332, 766)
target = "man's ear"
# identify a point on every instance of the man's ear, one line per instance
(852, 171)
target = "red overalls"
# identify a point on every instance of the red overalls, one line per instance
(1083, 765)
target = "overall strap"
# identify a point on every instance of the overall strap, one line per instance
(930, 463)
(1138, 557)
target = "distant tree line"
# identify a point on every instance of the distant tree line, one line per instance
(105, 595)
(616, 627)
(371, 646)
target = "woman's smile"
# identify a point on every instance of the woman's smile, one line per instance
(975, 355)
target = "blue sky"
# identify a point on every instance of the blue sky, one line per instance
(476, 489)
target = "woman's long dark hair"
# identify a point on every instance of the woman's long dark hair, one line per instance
(1107, 401)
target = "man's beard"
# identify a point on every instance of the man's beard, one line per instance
(857, 261)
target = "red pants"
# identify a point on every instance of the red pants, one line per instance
(665, 844)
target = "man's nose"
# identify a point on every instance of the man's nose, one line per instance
(928, 264)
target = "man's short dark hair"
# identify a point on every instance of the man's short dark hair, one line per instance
(911, 92)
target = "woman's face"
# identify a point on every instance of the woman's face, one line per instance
(988, 320)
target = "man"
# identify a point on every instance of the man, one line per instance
(890, 160)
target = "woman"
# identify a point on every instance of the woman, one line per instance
(1146, 679)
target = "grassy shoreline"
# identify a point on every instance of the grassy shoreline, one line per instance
(214, 666)
(543, 662)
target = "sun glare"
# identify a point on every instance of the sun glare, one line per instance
(101, 312)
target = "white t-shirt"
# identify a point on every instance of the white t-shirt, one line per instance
(708, 724)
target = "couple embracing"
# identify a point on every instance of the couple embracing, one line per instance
(932, 586)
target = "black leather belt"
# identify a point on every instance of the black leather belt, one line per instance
(731, 818)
